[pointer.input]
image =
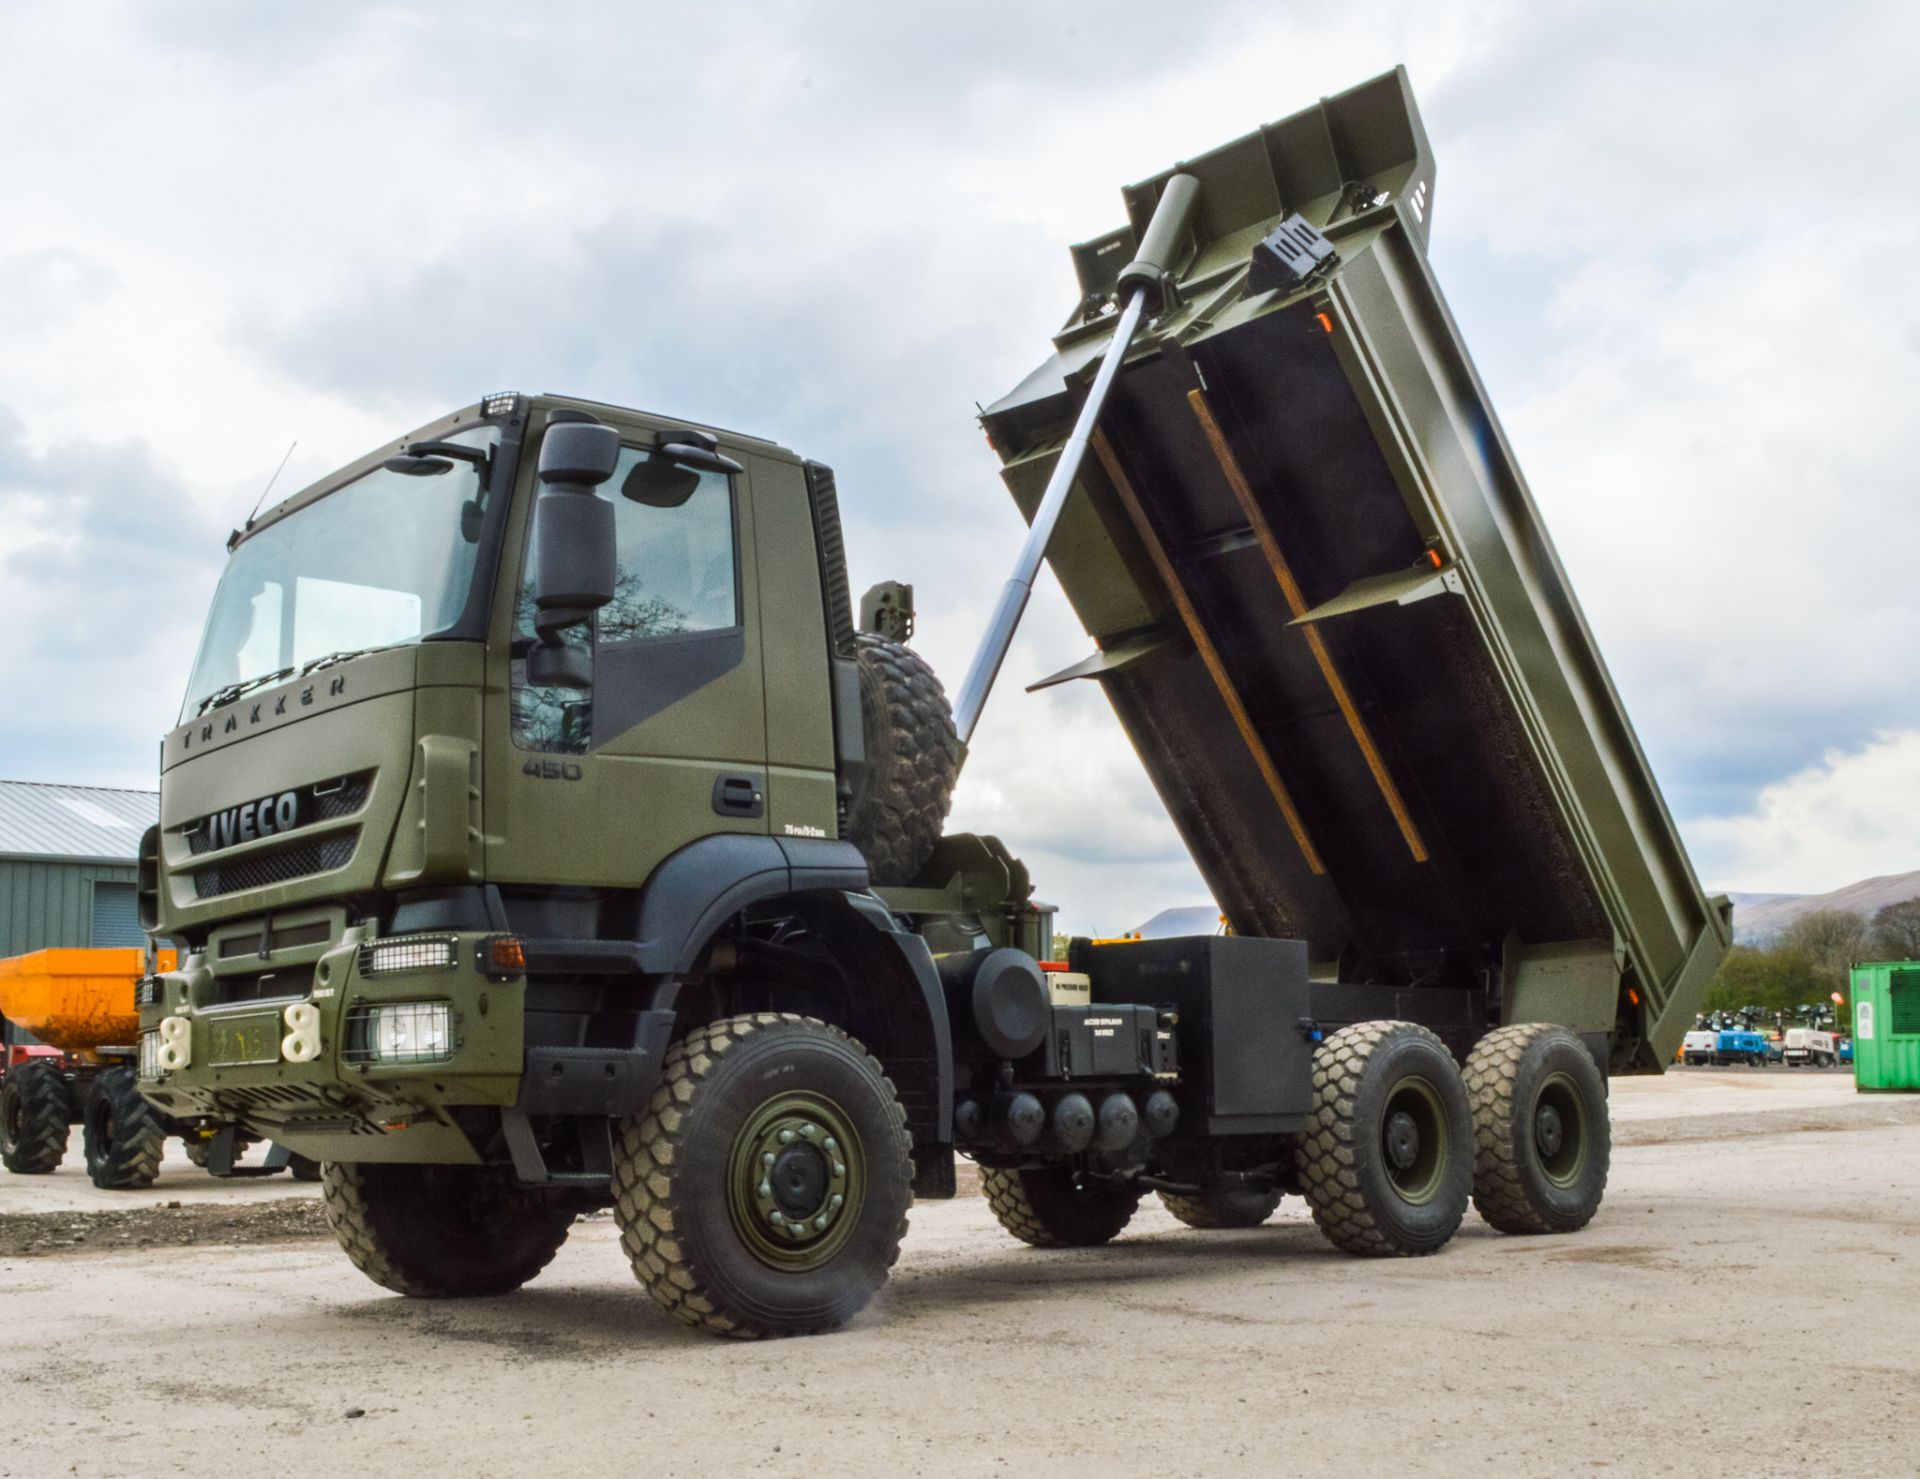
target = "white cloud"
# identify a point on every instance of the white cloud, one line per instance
(1854, 815)
(1675, 236)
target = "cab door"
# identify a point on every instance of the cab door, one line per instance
(669, 742)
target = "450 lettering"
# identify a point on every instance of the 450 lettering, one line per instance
(552, 770)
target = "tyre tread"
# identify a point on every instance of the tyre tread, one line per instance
(643, 1183)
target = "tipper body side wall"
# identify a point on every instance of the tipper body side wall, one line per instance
(1431, 779)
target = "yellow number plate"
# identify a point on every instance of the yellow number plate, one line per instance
(237, 1041)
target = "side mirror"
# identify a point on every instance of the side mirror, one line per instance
(573, 528)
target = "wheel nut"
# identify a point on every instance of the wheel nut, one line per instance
(809, 1130)
(785, 1136)
(835, 1201)
(766, 1189)
(829, 1145)
(819, 1222)
(776, 1219)
(839, 1168)
(767, 1158)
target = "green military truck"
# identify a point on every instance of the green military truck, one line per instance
(543, 833)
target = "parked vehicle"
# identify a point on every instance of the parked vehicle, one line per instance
(1811, 1047)
(1698, 1047)
(1741, 1046)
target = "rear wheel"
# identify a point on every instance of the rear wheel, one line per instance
(765, 1191)
(1223, 1207)
(1387, 1163)
(123, 1134)
(36, 1111)
(1056, 1207)
(441, 1232)
(1542, 1142)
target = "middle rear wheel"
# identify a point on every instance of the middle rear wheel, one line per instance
(1387, 1163)
(1223, 1207)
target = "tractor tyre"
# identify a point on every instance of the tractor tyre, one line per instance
(1386, 1163)
(123, 1134)
(1223, 1207)
(1048, 1207)
(1542, 1142)
(441, 1232)
(901, 794)
(36, 1111)
(766, 1189)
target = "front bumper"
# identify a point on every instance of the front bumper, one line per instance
(307, 1069)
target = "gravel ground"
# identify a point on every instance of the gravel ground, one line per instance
(1744, 1304)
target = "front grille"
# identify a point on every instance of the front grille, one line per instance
(281, 865)
(317, 933)
(291, 984)
(323, 801)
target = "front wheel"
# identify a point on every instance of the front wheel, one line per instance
(1542, 1141)
(441, 1232)
(1387, 1161)
(766, 1189)
(123, 1135)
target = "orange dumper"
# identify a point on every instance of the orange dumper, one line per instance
(72, 1045)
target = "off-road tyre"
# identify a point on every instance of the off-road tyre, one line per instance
(1362, 1200)
(441, 1232)
(1523, 1180)
(123, 1134)
(900, 796)
(690, 1220)
(302, 1168)
(36, 1111)
(1046, 1208)
(1224, 1207)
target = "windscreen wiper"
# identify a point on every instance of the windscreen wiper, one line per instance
(345, 654)
(227, 695)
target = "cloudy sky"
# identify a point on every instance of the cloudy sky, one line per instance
(1680, 239)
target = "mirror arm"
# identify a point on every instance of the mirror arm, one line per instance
(690, 456)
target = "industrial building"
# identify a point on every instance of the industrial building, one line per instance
(67, 865)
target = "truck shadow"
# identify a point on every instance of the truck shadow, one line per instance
(562, 1322)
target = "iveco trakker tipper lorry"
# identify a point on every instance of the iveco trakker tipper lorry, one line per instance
(544, 833)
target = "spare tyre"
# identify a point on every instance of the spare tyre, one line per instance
(900, 796)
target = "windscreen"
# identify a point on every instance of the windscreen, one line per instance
(384, 560)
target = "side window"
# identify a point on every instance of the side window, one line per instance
(677, 576)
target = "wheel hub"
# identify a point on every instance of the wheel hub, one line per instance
(1403, 1140)
(795, 1182)
(1548, 1133)
(799, 1177)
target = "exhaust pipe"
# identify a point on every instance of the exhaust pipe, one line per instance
(1143, 284)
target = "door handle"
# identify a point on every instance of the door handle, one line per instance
(739, 796)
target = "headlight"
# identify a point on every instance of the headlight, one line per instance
(150, 1055)
(406, 953)
(401, 1032)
